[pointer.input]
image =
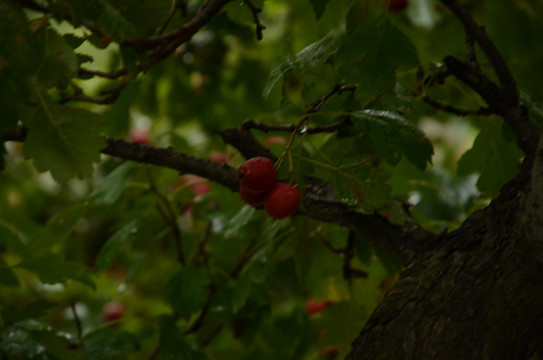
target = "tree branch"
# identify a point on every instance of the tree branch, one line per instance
(255, 11)
(478, 34)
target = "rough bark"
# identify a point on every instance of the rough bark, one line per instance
(479, 294)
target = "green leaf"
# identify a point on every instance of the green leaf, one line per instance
(356, 17)
(109, 189)
(60, 63)
(173, 346)
(494, 158)
(188, 291)
(394, 136)
(114, 24)
(239, 220)
(318, 7)
(52, 269)
(113, 246)
(34, 310)
(368, 57)
(64, 140)
(7, 277)
(106, 343)
(66, 220)
(305, 60)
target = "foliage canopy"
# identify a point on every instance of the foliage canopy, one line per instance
(346, 92)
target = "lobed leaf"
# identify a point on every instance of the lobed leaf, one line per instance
(64, 140)
(493, 157)
(53, 269)
(394, 136)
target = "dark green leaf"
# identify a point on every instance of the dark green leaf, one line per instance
(188, 291)
(64, 140)
(305, 60)
(107, 343)
(173, 346)
(33, 310)
(60, 63)
(394, 137)
(494, 158)
(369, 56)
(318, 7)
(52, 269)
(113, 246)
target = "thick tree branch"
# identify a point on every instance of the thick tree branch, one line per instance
(499, 101)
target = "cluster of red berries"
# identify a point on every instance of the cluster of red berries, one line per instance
(259, 186)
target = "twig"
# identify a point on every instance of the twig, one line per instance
(350, 273)
(479, 35)
(169, 217)
(77, 321)
(109, 75)
(154, 354)
(255, 11)
(457, 111)
(179, 4)
(203, 313)
(253, 124)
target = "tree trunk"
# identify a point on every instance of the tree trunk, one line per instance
(478, 294)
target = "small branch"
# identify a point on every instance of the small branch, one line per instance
(154, 354)
(169, 216)
(109, 75)
(479, 35)
(179, 4)
(255, 11)
(203, 313)
(350, 273)
(338, 89)
(77, 321)
(455, 110)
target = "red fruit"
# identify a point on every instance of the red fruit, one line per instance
(139, 136)
(257, 174)
(314, 307)
(218, 157)
(275, 140)
(112, 311)
(397, 5)
(253, 198)
(283, 201)
(198, 184)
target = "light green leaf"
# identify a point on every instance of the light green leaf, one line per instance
(64, 140)
(114, 245)
(52, 269)
(112, 186)
(394, 136)
(494, 158)
(188, 291)
(239, 220)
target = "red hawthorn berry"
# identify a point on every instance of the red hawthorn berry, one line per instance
(253, 198)
(283, 201)
(112, 311)
(397, 5)
(257, 174)
(275, 140)
(218, 157)
(313, 306)
(139, 136)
